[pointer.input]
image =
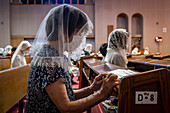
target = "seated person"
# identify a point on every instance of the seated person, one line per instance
(116, 49)
(7, 51)
(136, 49)
(18, 58)
(103, 50)
(88, 48)
(146, 51)
(13, 50)
(85, 52)
(49, 85)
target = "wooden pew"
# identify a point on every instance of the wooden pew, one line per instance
(162, 56)
(147, 92)
(92, 67)
(155, 80)
(5, 64)
(13, 86)
(28, 59)
(82, 82)
(151, 62)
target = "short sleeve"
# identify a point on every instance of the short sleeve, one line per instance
(52, 75)
(46, 75)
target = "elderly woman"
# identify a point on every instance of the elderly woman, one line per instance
(49, 86)
(18, 58)
(116, 49)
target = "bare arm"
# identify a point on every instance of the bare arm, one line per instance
(58, 94)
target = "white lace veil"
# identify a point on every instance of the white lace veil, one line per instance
(65, 28)
(117, 42)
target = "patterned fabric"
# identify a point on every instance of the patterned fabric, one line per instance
(43, 75)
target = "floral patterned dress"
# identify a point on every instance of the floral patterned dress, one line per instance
(45, 71)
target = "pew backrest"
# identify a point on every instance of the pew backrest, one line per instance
(13, 86)
(5, 64)
(148, 92)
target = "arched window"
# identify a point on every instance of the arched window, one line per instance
(122, 21)
(137, 30)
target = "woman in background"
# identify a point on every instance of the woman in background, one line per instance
(18, 58)
(13, 50)
(7, 51)
(116, 49)
(136, 50)
(103, 50)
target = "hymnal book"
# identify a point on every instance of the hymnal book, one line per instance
(123, 72)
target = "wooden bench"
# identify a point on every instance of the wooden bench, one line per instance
(148, 92)
(13, 86)
(28, 59)
(151, 62)
(165, 55)
(5, 64)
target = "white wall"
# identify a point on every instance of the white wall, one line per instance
(152, 11)
(26, 19)
(4, 23)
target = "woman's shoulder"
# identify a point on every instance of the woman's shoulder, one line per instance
(47, 51)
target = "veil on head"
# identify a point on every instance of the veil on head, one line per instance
(7, 50)
(65, 28)
(22, 46)
(118, 41)
(59, 26)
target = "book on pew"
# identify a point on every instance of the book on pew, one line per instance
(123, 72)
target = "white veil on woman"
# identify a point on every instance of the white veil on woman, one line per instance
(7, 50)
(117, 42)
(22, 46)
(61, 24)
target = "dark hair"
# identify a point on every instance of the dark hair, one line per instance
(13, 48)
(73, 20)
(103, 48)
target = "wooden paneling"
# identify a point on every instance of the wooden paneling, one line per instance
(109, 30)
(16, 41)
(5, 64)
